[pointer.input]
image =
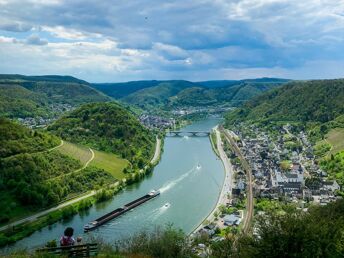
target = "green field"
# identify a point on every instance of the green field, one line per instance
(76, 151)
(107, 161)
(336, 138)
(110, 163)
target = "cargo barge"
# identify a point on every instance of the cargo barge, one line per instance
(118, 212)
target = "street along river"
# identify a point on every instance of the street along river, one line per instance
(189, 177)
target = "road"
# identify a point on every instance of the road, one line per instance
(227, 182)
(248, 170)
(45, 212)
(157, 151)
(91, 193)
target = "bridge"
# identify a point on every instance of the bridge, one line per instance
(188, 133)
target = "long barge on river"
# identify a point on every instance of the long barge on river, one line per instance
(118, 212)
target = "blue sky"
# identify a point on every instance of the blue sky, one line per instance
(122, 40)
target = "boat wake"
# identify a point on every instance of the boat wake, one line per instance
(159, 211)
(172, 183)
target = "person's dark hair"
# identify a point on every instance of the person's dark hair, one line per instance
(69, 232)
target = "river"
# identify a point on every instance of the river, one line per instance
(188, 194)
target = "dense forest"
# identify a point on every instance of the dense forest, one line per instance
(175, 94)
(157, 96)
(107, 127)
(318, 101)
(32, 96)
(16, 139)
(232, 95)
(33, 176)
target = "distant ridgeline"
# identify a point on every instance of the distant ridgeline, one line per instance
(175, 94)
(107, 127)
(32, 96)
(33, 175)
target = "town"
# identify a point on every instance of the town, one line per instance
(284, 171)
(284, 167)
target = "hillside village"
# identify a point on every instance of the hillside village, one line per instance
(284, 167)
(57, 109)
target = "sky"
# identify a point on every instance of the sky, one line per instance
(125, 40)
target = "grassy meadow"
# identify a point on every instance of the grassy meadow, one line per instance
(336, 138)
(107, 161)
(110, 163)
(81, 153)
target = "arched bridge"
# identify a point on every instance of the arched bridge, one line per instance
(188, 133)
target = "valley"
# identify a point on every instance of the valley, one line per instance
(279, 154)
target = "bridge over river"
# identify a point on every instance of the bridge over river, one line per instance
(188, 133)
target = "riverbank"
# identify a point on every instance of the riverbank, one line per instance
(189, 177)
(226, 189)
(157, 153)
(24, 227)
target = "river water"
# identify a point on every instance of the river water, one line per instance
(189, 177)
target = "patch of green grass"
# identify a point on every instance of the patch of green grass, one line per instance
(76, 151)
(336, 138)
(110, 163)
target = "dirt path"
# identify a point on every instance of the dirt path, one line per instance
(87, 163)
(45, 212)
(62, 142)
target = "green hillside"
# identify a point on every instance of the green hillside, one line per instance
(318, 101)
(17, 101)
(158, 95)
(16, 139)
(175, 94)
(316, 106)
(107, 127)
(233, 94)
(33, 175)
(32, 96)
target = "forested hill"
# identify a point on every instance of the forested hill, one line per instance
(34, 174)
(32, 96)
(17, 139)
(178, 93)
(157, 96)
(107, 127)
(300, 101)
(232, 94)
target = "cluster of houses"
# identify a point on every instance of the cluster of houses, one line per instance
(56, 110)
(183, 111)
(156, 122)
(281, 172)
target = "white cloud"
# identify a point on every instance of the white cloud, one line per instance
(71, 34)
(141, 39)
